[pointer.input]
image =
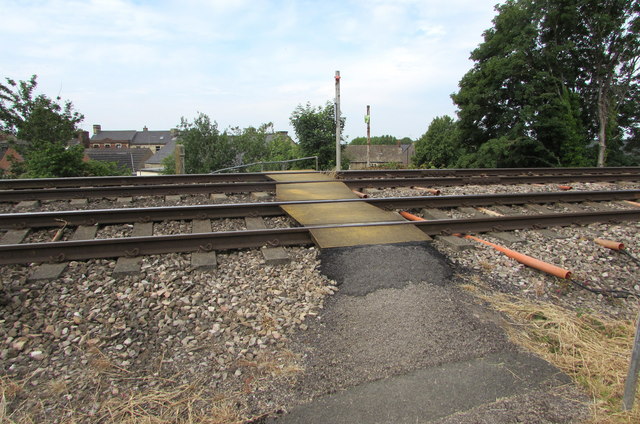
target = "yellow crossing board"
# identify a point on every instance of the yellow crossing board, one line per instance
(324, 187)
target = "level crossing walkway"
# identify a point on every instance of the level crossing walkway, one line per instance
(324, 187)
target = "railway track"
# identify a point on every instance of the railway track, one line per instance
(63, 193)
(131, 215)
(216, 241)
(21, 184)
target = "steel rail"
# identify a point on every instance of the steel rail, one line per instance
(240, 210)
(12, 184)
(136, 246)
(244, 187)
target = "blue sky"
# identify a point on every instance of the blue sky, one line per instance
(130, 63)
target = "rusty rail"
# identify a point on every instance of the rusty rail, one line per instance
(135, 246)
(240, 210)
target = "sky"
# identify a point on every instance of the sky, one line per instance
(126, 64)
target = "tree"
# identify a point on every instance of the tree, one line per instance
(561, 72)
(440, 146)
(206, 149)
(35, 119)
(381, 139)
(249, 144)
(281, 148)
(315, 128)
(46, 125)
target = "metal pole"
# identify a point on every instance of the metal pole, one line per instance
(632, 377)
(338, 129)
(367, 119)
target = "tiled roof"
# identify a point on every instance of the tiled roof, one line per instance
(114, 135)
(132, 159)
(165, 151)
(152, 137)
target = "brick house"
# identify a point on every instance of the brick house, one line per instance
(131, 139)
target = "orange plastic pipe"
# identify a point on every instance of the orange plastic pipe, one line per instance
(633, 203)
(565, 187)
(609, 244)
(360, 194)
(522, 258)
(526, 260)
(411, 217)
(430, 190)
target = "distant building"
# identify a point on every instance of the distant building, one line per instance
(379, 155)
(132, 159)
(131, 139)
(8, 152)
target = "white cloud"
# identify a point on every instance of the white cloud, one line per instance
(127, 63)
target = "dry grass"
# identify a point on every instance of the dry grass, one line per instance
(592, 349)
(157, 401)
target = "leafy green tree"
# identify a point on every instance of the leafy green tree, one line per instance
(35, 119)
(561, 72)
(206, 149)
(440, 146)
(315, 128)
(46, 125)
(281, 148)
(381, 139)
(505, 152)
(249, 144)
(168, 165)
(54, 160)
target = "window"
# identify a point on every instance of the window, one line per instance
(118, 146)
(96, 146)
(107, 146)
(157, 148)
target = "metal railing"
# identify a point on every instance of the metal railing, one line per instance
(262, 164)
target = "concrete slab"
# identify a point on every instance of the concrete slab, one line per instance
(300, 176)
(456, 243)
(541, 209)
(14, 236)
(78, 202)
(142, 229)
(172, 198)
(472, 212)
(428, 213)
(275, 255)
(571, 207)
(431, 393)
(124, 200)
(28, 204)
(47, 272)
(218, 197)
(504, 210)
(204, 260)
(597, 206)
(201, 226)
(255, 223)
(260, 195)
(85, 232)
(506, 237)
(127, 266)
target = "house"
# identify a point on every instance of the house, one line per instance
(379, 155)
(132, 159)
(8, 152)
(153, 165)
(131, 139)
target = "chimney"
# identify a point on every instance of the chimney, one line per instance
(145, 128)
(96, 129)
(83, 138)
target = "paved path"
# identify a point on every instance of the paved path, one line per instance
(400, 344)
